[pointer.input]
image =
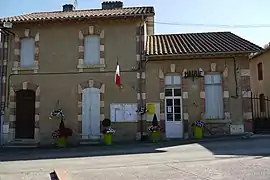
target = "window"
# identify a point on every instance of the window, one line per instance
(213, 97)
(27, 53)
(260, 71)
(92, 50)
(173, 80)
(262, 103)
(173, 98)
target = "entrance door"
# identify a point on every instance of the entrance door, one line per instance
(91, 113)
(173, 113)
(25, 114)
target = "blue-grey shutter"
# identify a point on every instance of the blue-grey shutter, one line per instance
(27, 54)
(213, 97)
(92, 50)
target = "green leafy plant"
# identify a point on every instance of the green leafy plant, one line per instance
(155, 126)
(155, 121)
(107, 129)
(106, 122)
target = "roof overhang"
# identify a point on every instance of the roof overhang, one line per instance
(198, 56)
(132, 16)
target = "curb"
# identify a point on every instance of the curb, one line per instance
(138, 144)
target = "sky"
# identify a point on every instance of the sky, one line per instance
(226, 12)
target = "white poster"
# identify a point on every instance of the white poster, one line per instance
(123, 112)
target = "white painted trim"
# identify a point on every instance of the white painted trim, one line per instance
(172, 68)
(244, 72)
(143, 75)
(226, 94)
(101, 47)
(202, 95)
(227, 115)
(26, 32)
(185, 95)
(80, 35)
(102, 34)
(144, 96)
(213, 66)
(138, 57)
(161, 74)
(186, 116)
(102, 117)
(91, 83)
(162, 95)
(91, 30)
(138, 96)
(246, 94)
(79, 117)
(247, 115)
(138, 75)
(102, 88)
(37, 37)
(16, 52)
(81, 48)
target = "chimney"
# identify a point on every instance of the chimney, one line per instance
(68, 7)
(112, 5)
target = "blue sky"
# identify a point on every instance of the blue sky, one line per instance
(231, 12)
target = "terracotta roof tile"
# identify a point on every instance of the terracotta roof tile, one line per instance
(198, 43)
(77, 14)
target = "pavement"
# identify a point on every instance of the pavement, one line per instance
(246, 159)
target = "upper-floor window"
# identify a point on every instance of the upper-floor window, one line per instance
(92, 50)
(260, 71)
(213, 97)
(27, 54)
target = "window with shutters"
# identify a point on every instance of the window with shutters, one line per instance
(92, 50)
(27, 52)
(213, 97)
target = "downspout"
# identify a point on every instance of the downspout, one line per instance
(141, 70)
(2, 59)
(235, 79)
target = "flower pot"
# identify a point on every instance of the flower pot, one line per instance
(61, 142)
(198, 132)
(108, 139)
(155, 136)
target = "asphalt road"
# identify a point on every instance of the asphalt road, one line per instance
(232, 160)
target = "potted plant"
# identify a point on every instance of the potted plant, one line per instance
(62, 133)
(155, 129)
(108, 131)
(198, 129)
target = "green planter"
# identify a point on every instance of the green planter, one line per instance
(61, 142)
(155, 136)
(108, 139)
(198, 132)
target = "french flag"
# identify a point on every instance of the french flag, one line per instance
(117, 75)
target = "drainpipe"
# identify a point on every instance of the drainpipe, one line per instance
(141, 70)
(2, 55)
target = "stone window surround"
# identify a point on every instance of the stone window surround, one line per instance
(90, 84)
(16, 64)
(92, 30)
(12, 107)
